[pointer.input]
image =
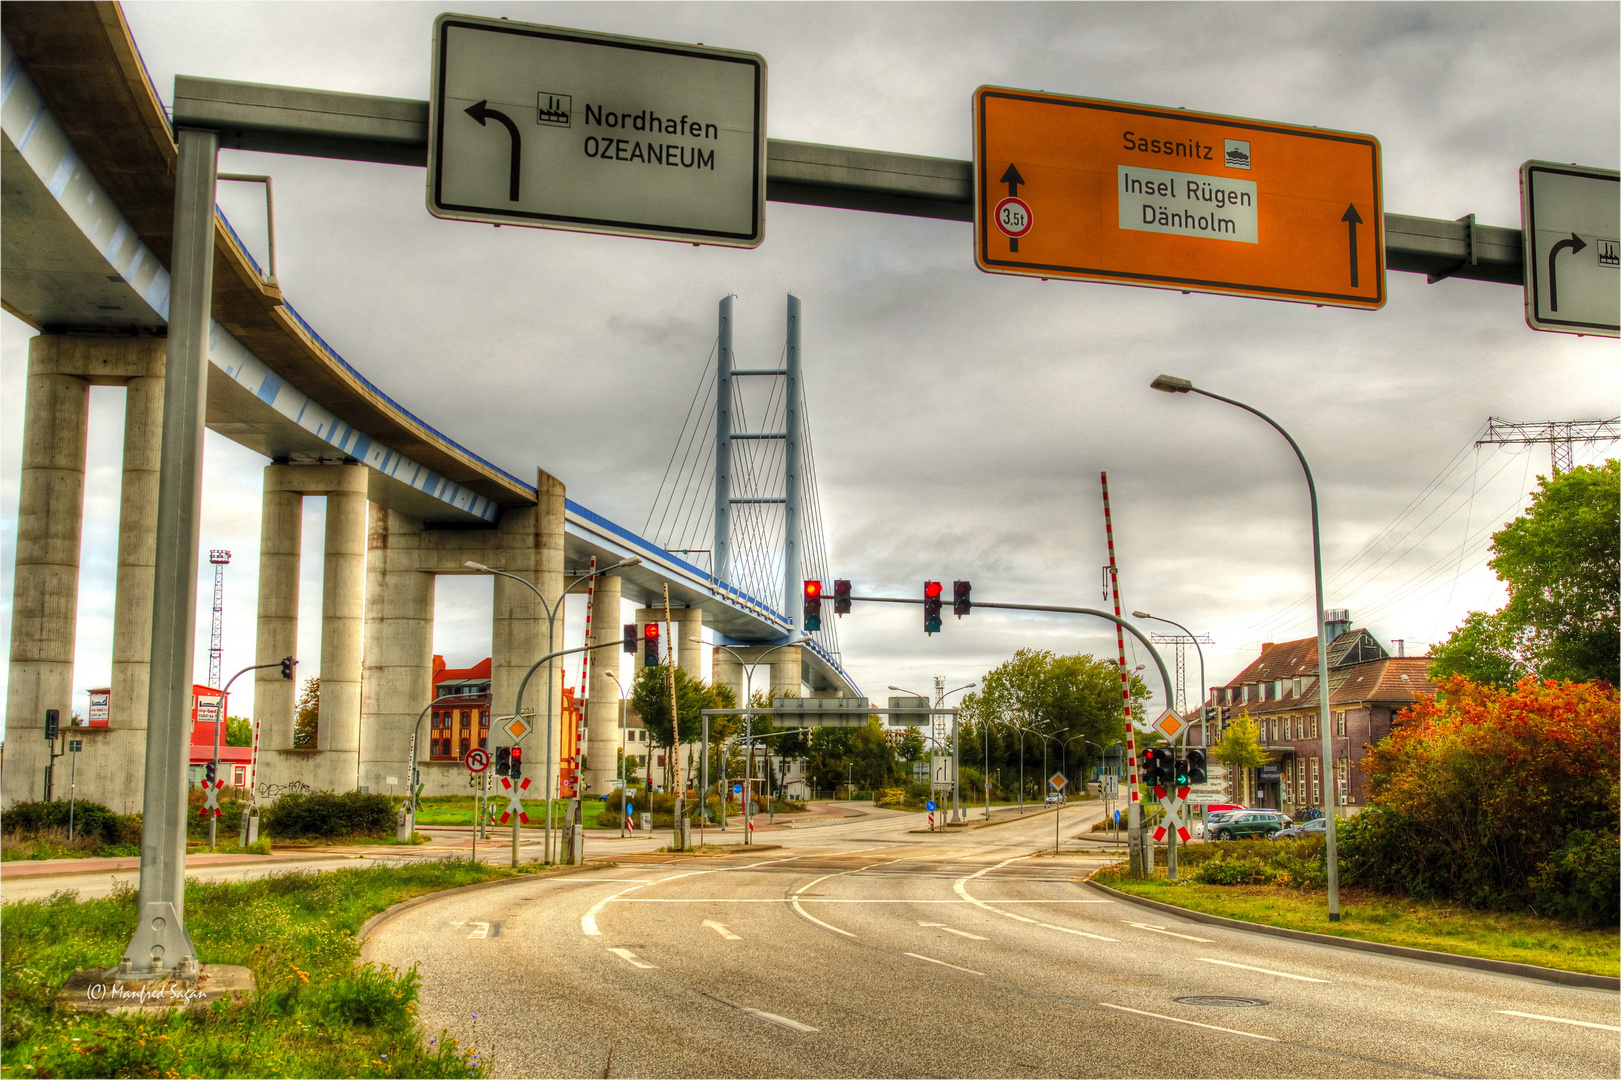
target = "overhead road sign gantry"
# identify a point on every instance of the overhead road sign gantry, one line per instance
(1571, 215)
(363, 127)
(567, 129)
(1139, 195)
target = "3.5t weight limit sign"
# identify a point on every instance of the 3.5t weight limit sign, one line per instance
(1138, 195)
(565, 129)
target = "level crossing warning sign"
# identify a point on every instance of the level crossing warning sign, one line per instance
(1140, 195)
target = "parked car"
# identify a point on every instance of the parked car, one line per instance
(1247, 823)
(1313, 827)
(1207, 827)
(1054, 797)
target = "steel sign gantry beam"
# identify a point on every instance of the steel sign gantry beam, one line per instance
(361, 127)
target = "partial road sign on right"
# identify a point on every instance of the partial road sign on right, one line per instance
(1571, 217)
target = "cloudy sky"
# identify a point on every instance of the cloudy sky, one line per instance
(960, 419)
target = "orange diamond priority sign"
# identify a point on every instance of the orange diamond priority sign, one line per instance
(1108, 191)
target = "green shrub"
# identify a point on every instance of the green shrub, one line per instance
(1579, 881)
(89, 819)
(1234, 871)
(326, 816)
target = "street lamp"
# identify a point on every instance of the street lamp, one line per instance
(1203, 693)
(551, 632)
(956, 753)
(1170, 384)
(620, 690)
(748, 723)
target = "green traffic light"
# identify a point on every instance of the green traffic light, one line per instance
(813, 623)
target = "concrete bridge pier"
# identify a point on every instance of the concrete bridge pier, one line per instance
(602, 701)
(397, 683)
(61, 370)
(333, 763)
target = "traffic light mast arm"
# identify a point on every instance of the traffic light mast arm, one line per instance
(1159, 662)
(219, 717)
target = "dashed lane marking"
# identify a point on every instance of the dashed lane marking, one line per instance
(781, 1021)
(1559, 1020)
(1262, 970)
(720, 928)
(631, 958)
(1189, 1023)
(953, 930)
(942, 963)
(1169, 933)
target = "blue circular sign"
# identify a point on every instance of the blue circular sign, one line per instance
(929, 805)
(737, 789)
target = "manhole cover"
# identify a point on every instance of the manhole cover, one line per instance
(1223, 1002)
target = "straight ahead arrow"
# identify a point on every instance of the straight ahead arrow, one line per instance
(482, 113)
(1575, 244)
(1012, 179)
(1352, 220)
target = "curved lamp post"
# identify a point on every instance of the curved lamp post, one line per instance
(1170, 384)
(1204, 740)
(748, 724)
(956, 753)
(551, 632)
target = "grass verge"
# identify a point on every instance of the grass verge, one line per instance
(1520, 938)
(459, 810)
(314, 1013)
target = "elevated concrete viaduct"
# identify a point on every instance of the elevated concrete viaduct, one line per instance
(88, 158)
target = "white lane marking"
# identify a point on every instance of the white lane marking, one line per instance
(820, 900)
(959, 887)
(1559, 1020)
(720, 928)
(942, 963)
(588, 921)
(1171, 933)
(793, 898)
(781, 1021)
(480, 930)
(1190, 1023)
(1262, 970)
(631, 958)
(953, 930)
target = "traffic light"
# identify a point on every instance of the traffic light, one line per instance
(841, 597)
(813, 606)
(517, 762)
(52, 720)
(503, 761)
(287, 663)
(931, 607)
(1179, 773)
(210, 771)
(630, 638)
(1157, 767)
(650, 644)
(1197, 773)
(960, 604)
(1211, 714)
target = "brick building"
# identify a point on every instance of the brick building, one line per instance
(1368, 688)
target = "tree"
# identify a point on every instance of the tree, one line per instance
(307, 716)
(1240, 748)
(1561, 563)
(1075, 699)
(1499, 798)
(238, 731)
(650, 696)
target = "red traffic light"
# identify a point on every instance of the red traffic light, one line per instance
(813, 589)
(651, 631)
(931, 590)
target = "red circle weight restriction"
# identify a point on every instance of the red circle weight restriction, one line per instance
(1013, 217)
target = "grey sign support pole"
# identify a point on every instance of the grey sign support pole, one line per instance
(791, 485)
(160, 946)
(721, 558)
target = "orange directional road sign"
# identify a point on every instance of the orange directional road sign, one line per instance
(1139, 195)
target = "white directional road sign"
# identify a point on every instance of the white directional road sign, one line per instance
(566, 129)
(1571, 215)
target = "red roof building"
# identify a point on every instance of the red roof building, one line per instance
(462, 721)
(1368, 688)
